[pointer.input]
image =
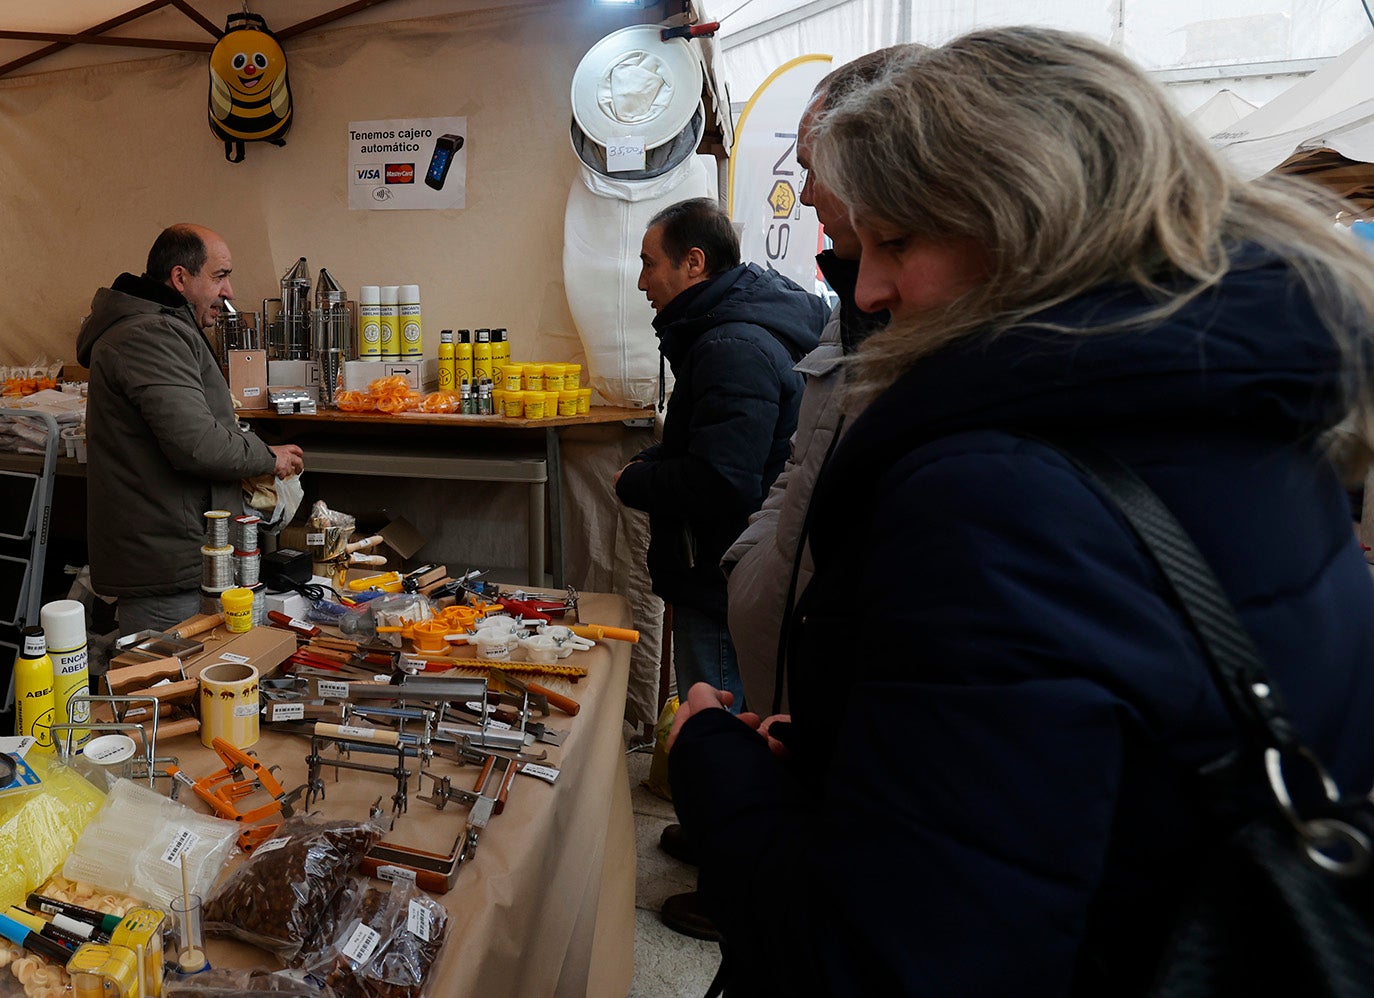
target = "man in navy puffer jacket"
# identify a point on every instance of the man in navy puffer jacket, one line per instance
(731, 332)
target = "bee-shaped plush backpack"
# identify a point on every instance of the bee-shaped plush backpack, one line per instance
(250, 99)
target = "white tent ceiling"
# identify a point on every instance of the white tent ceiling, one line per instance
(1194, 48)
(1331, 109)
(172, 22)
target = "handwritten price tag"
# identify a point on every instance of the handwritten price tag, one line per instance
(625, 154)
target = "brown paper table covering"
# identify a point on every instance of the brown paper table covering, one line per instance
(546, 905)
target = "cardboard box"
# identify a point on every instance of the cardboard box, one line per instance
(265, 648)
(248, 378)
(303, 374)
(423, 375)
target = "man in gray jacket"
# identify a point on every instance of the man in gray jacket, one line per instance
(769, 565)
(164, 443)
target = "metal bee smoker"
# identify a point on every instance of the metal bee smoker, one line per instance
(335, 319)
(288, 318)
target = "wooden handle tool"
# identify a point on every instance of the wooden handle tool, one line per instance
(597, 633)
(358, 734)
(192, 628)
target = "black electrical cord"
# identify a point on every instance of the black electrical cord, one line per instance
(1367, 14)
(312, 591)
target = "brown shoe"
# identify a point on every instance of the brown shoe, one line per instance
(683, 913)
(674, 842)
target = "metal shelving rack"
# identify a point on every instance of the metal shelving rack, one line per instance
(25, 518)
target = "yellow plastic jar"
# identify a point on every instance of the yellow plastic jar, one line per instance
(513, 405)
(550, 401)
(584, 401)
(238, 609)
(553, 377)
(534, 377)
(513, 374)
(534, 404)
(567, 403)
(572, 377)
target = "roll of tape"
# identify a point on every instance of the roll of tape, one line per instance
(229, 704)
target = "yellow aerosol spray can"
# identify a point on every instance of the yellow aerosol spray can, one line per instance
(64, 629)
(391, 322)
(481, 357)
(412, 339)
(370, 322)
(33, 690)
(462, 358)
(447, 364)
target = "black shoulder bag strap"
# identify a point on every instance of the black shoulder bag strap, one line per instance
(1305, 901)
(1235, 663)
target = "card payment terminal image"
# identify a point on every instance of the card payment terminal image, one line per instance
(445, 148)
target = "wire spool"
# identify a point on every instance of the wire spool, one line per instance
(246, 532)
(209, 598)
(217, 567)
(246, 567)
(259, 603)
(217, 528)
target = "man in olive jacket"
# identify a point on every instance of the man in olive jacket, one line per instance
(164, 444)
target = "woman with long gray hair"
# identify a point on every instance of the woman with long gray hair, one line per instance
(989, 782)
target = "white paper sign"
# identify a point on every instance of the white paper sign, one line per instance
(625, 153)
(407, 163)
(288, 712)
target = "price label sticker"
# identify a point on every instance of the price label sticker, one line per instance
(352, 731)
(496, 725)
(395, 874)
(296, 622)
(182, 842)
(236, 659)
(315, 539)
(625, 153)
(272, 845)
(362, 944)
(419, 921)
(245, 709)
(412, 664)
(287, 712)
(546, 773)
(333, 689)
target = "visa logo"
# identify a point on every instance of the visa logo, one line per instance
(367, 173)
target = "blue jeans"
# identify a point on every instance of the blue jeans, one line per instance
(704, 653)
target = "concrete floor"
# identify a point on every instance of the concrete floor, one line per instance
(667, 965)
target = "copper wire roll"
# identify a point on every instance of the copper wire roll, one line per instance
(216, 528)
(246, 567)
(246, 532)
(217, 567)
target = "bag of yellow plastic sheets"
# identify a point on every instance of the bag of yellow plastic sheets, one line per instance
(441, 402)
(38, 827)
(392, 395)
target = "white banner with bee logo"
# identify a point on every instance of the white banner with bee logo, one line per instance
(407, 163)
(776, 229)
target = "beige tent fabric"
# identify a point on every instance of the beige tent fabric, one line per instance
(97, 160)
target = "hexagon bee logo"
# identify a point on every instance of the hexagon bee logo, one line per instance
(782, 199)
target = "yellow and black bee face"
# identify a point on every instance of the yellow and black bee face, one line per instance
(250, 65)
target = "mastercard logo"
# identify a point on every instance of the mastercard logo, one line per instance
(400, 173)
